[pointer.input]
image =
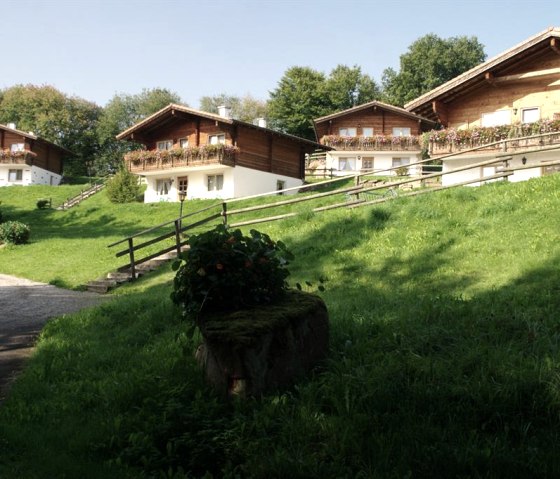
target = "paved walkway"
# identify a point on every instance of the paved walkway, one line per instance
(25, 307)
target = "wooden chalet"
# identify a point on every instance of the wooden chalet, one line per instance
(26, 159)
(510, 103)
(205, 155)
(374, 136)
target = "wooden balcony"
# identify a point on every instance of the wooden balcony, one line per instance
(483, 145)
(139, 161)
(25, 157)
(373, 143)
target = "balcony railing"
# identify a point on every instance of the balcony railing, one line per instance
(498, 138)
(143, 160)
(23, 157)
(373, 143)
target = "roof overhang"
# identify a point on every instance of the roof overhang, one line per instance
(493, 70)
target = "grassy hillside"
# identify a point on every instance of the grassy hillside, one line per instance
(445, 359)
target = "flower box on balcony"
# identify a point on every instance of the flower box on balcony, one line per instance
(377, 142)
(16, 157)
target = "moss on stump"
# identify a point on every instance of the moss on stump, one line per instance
(253, 351)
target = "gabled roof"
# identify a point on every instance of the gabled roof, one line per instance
(375, 103)
(528, 50)
(31, 136)
(159, 116)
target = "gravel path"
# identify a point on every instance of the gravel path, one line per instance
(25, 307)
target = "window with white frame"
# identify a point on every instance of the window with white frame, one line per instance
(496, 118)
(184, 142)
(348, 131)
(367, 163)
(17, 147)
(15, 175)
(530, 115)
(400, 162)
(215, 182)
(163, 186)
(401, 131)
(367, 131)
(347, 164)
(165, 145)
(217, 139)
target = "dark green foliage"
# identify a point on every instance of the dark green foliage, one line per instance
(123, 187)
(42, 204)
(303, 94)
(14, 232)
(223, 270)
(430, 62)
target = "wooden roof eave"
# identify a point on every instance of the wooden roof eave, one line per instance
(531, 48)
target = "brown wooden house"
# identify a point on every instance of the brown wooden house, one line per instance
(26, 159)
(374, 137)
(206, 155)
(515, 94)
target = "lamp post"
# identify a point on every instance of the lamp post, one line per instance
(182, 196)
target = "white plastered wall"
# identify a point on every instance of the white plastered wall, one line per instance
(31, 175)
(238, 182)
(382, 160)
(478, 172)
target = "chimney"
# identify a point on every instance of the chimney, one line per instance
(261, 122)
(224, 111)
(11, 125)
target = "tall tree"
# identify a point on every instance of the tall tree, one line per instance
(245, 108)
(67, 121)
(120, 113)
(347, 87)
(299, 97)
(429, 62)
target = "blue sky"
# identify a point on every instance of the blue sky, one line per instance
(96, 48)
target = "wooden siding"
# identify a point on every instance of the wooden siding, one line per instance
(542, 92)
(381, 121)
(48, 157)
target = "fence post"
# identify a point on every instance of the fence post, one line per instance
(224, 213)
(178, 235)
(131, 254)
(357, 183)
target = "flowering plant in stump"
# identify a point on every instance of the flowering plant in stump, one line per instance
(224, 270)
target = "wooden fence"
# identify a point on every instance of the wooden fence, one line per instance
(363, 192)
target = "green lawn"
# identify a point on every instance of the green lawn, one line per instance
(444, 360)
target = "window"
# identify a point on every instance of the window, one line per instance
(401, 131)
(280, 185)
(17, 147)
(347, 164)
(400, 162)
(165, 145)
(184, 142)
(215, 182)
(15, 175)
(530, 115)
(347, 131)
(496, 118)
(368, 131)
(367, 163)
(217, 139)
(163, 186)
(182, 185)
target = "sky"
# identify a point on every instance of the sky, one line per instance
(95, 49)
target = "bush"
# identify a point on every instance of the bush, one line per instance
(123, 187)
(14, 232)
(226, 271)
(42, 204)
(402, 171)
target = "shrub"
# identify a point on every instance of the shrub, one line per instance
(14, 232)
(225, 271)
(42, 204)
(402, 171)
(123, 187)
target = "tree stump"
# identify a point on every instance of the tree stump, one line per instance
(265, 348)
